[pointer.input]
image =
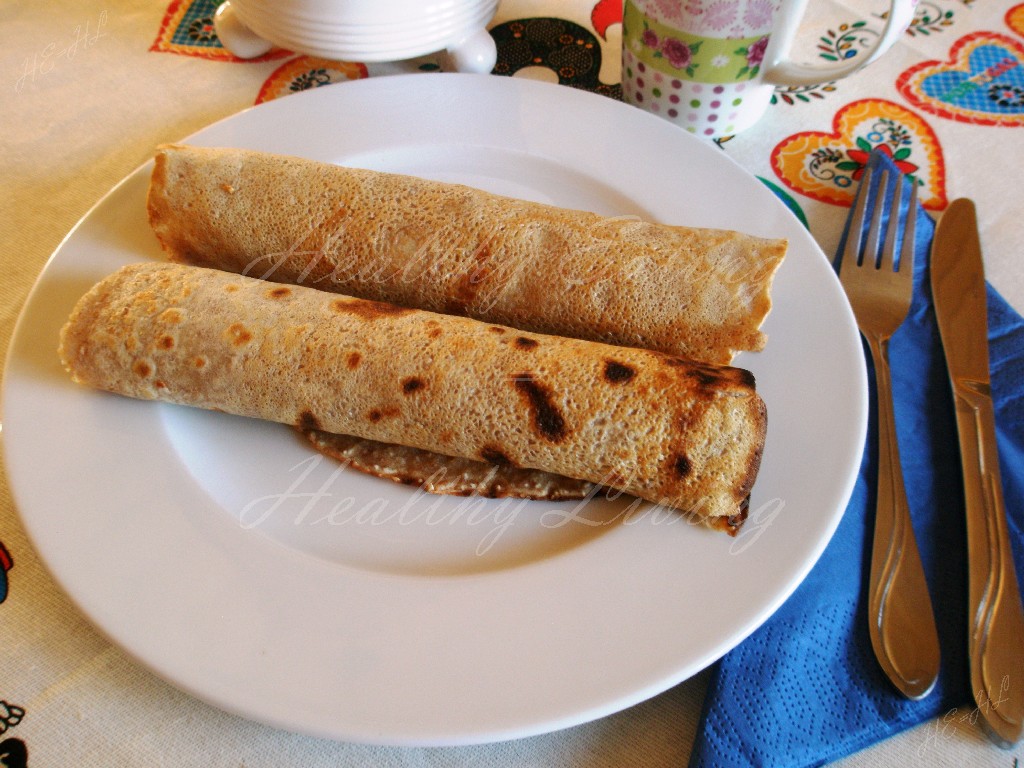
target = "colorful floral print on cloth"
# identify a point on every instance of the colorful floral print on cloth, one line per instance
(825, 165)
(13, 752)
(981, 81)
(188, 30)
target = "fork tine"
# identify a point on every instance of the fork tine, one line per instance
(851, 252)
(871, 247)
(889, 261)
(906, 263)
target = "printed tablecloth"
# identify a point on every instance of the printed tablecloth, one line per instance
(90, 89)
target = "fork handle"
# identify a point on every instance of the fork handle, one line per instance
(902, 624)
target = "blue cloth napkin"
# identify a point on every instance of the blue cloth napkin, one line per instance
(805, 688)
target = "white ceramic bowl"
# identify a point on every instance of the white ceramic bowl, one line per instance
(362, 30)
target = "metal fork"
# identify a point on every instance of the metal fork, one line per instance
(902, 624)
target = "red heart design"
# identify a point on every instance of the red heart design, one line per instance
(826, 166)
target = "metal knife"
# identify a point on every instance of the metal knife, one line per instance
(996, 619)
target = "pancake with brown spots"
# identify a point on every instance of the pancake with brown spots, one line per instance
(670, 431)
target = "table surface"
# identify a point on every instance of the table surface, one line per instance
(90, 89)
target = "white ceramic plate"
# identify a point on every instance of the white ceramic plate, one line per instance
(233, 562)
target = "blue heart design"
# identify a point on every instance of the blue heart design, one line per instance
(993, 84)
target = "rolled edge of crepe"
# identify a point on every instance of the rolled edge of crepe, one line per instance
(696, 293)
(674, 432)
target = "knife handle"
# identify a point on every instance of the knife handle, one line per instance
(996, 619)
(902, 623)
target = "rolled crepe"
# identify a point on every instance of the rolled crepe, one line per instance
(697, 293)
(662, 428)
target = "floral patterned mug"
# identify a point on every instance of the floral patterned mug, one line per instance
(710, 66)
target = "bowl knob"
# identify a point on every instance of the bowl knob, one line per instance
(237, 37)
(475, 53)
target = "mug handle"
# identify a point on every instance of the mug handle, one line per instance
(780, 71)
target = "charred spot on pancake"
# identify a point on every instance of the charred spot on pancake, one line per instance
(366, 309)
(745, 377)
(717, 377)
(682, 465)
(353, 360)
(524, 343)
(199, 362)
(411, 384)
(238, 335)
(165, 342)
(708, 377)
(142, 368)
(159, 384)
(547, 419)
(308, 422)
(495, 455)
(618, 373)
(232, 288)
(279, 293)
(377, 414)
(496, 329)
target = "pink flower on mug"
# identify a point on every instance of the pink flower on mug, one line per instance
(650, 38)
(755, 53)
(678, 53)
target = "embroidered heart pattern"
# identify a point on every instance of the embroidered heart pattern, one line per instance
(305, 72)
(1015, 19)
(826, 166)
(982, 82)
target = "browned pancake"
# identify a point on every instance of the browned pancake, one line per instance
(668, 430)
(696, 293)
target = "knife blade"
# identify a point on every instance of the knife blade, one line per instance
(995, 619)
